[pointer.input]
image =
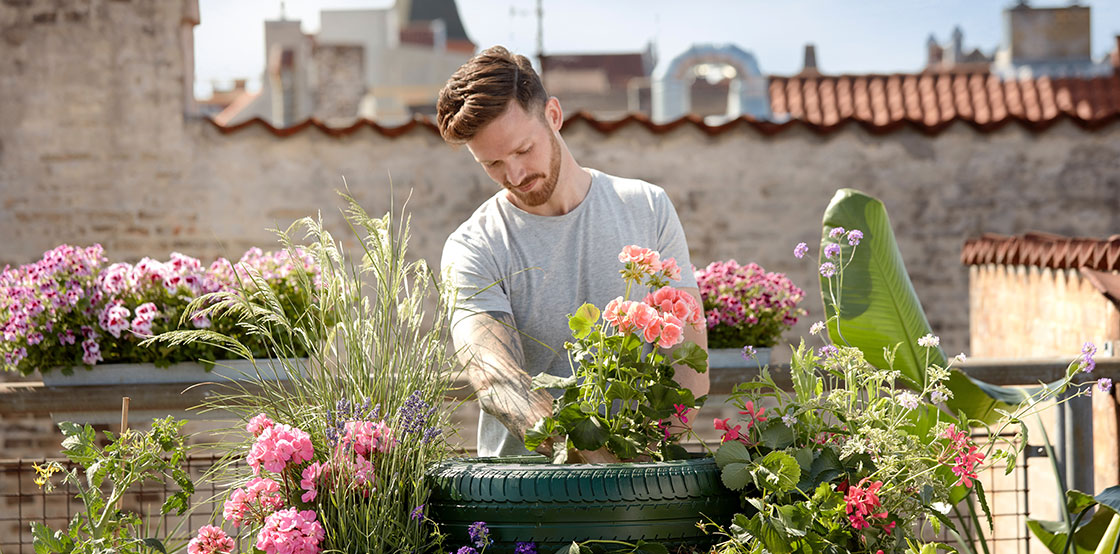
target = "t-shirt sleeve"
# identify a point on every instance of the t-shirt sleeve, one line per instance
(471, 267)
(671, 240)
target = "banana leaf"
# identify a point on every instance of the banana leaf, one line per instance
(879, 308)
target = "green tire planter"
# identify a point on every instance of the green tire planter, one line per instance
(525, 499)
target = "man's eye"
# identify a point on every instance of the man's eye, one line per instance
(525, 151)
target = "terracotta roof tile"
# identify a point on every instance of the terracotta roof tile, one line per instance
(880, 104)
(1044, 250)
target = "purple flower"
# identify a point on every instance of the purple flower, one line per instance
(827, 351)
(800, 250)
(417, 512)
(836, 232)
(467, 550)
(854, 236)
(480, 535)
(525, 548)
(832, 251)
(415, 413)
(749, 352)
(828, 269)
(1104, 384)
(1088, 364)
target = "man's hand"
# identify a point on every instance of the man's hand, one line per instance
(489, 346)
(600, 456)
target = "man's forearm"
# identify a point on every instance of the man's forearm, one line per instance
(490, 348)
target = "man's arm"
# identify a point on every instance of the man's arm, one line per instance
(698, 383)
(489, 346)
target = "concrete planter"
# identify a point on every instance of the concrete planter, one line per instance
(183, 372)
(733, 357)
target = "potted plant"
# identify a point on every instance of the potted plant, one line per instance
(862, 457)
(747, 310)
(336, 456)
(621, 397)
(72, 309)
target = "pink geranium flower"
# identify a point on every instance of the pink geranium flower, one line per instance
(291, 532)
(210, 540)
(260, 497)
(278, 446)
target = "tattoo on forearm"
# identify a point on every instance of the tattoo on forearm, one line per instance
(489, 346)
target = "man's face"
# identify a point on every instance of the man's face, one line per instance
(519, 151)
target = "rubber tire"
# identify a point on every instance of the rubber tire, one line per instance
(526, 499)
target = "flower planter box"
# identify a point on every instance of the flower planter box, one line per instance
(733, 357)
(183, 372)
(526, 499)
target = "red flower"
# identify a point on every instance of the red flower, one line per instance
(754, 416)
(861, 503)
(730, 433)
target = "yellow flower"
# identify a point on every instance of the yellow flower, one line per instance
(44, 473)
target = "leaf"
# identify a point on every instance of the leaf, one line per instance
(589, 434)
(583, 321)
(777, 471)
(732, 452)
(1076, 501)
(539, 432)
(1110, 497)
(826, 467)
(549, 381)
(769, 531)
(644, 547)
(735, 476)
(620, 390)
(879, 307)
(691, 355)
(776, 435)
(155, 544)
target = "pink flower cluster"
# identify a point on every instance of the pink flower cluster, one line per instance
(291, 531)
(46, 304)
(739, 297)
(967, 456)
(736, 432)
(642, 262)
(278, 446)
(260, 497)
(662, 328)
(366, 437)
(210, 540)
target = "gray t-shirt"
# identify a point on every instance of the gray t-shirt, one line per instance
(546, 267)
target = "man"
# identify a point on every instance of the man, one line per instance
(540, 248)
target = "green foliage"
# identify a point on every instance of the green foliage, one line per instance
(105, 475)
(874, 306)
(375, 336)
(622, 394)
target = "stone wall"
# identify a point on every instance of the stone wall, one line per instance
(95, 147)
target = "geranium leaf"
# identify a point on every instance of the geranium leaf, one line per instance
(583, 321)
(732, 452)
(691, 355)
(588, 434)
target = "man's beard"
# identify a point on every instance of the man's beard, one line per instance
(543, 191)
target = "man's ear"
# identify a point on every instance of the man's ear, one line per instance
(553, 113)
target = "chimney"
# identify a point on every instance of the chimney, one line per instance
(1116, 57)
(810, 56)
(810, 64)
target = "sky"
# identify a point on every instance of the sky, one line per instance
(851, 36)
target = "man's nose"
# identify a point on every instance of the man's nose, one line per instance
(515, 173)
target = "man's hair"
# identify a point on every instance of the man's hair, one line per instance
(481, 90)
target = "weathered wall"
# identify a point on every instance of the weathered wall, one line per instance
(1032, 312)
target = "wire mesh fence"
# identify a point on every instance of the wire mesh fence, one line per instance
(23, 502)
